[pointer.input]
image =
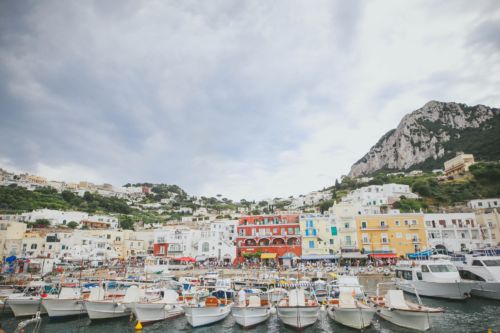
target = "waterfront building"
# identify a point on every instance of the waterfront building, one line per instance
(460, 163)
(11, 238)
(454, 232)
(391, 235)
(342, 218)
(489, 222)
(319, 236)
(270, 237)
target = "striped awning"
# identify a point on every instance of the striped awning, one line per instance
(319, 257)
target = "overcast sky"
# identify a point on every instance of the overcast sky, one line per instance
(249, 99)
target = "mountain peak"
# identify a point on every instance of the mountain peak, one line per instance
(428, 136)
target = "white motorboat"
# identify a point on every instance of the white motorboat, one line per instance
(276, 294)
(484, 271)
(251, 313)
(297, 311)
(397, 310)
(29, 302)
(164, 307)
(98, 307)
(67, 303)
(434, 278)
(348, 311)
(210, 311)
(320, 290)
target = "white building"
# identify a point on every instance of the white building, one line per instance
(484, 203)
(214, 241)
(310, 199)
(56, 217)
(455, 232)
(378, 195)
(59, 217)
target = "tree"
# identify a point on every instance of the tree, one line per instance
(126, 222)
(42, 223)
(72, 225)
(325, 205)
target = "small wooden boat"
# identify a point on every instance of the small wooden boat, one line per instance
(251, 312)
(297, 311)
(210, 311)
(348, 311)
(397, 310)
(69, 302)
(165, 306)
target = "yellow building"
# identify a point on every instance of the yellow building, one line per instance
(490, 225)
(458, 164)
(391, 235)
(319, 236)
(11, 238)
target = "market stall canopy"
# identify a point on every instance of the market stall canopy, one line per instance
(186, 259)
(201, 258)
(268, 256)
(319, 257)
(354, 255)
(383, 255)
(288, 255)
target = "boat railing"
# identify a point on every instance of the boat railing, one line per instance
(36, 321)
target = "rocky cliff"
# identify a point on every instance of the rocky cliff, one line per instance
(432, 134)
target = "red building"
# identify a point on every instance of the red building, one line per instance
(269, 236)
(160, 249)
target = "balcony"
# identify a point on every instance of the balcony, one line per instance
(415, 226)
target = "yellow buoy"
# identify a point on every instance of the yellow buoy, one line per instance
(490, 330)
(138, 326)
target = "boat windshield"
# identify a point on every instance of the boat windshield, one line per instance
(492, 262)
(442, 268)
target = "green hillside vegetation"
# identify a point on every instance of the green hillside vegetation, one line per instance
(16, 199)
(483, 181)
(483, 142)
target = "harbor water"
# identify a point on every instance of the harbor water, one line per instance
(473, 315)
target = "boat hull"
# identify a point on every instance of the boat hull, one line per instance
(448, 290)
(57, 308)
(298, 316)
(250, 316)
(106, 310)
(417, 320)
(487, 290)
(201, 316)
(352, 317)
(151, 312)
(23, 307)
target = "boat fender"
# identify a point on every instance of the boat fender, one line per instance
(168, 307)
(273, 310)
(118, 304)
(391, 309)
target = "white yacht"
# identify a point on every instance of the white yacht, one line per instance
(437, 277)
(485, 272)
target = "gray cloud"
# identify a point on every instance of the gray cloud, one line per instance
(249, 98)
